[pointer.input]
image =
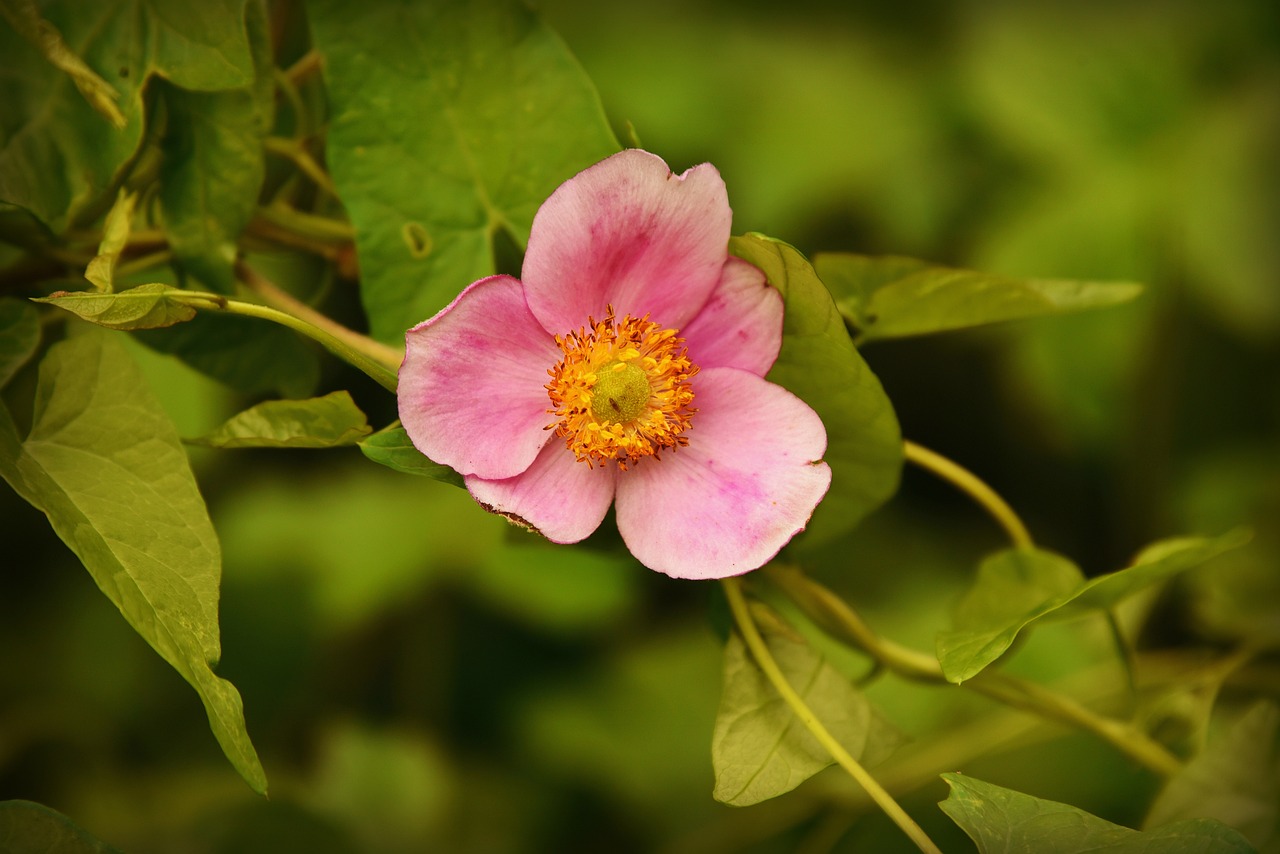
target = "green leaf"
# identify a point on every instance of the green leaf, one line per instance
(482, 112)
(320, 422)
(819, 364)
(250, 355)
(760, 749)
(19, 336)
(105, 465)
(1155, 563)
(1016, 587)
(214, 165)
(1001, 821)
(893, 297)
(392, 448)
(30, 828)
(1235, 779)
(25, 17)
(59, 160)
(115, 233)
(150, 306)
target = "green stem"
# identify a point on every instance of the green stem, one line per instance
(967, 482)
(307, 225)
(294, 151)
(742, 615)
(834, 616)
(374, 358)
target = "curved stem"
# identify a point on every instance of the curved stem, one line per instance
(294, 151)
(751, 635)
(969, 483)
(834, 616)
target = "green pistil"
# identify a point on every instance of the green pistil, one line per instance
(620, 393)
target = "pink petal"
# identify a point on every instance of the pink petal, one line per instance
(629, 233)
(559, 497)
(472, 386)
(740, 326)
(745, 485)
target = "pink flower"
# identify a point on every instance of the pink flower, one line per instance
(626, 367)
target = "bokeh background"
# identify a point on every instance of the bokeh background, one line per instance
(420, 677)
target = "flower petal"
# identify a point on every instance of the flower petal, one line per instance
(627, 232)
(744, 486)
(559, 497)
(472, 386)
(741, 324)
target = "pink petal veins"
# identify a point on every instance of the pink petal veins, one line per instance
(627, 233)
(557, 496)
(471, 387)
(746, 484)
(741, 324)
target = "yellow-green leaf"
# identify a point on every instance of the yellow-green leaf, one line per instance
(319, 422)
(104, 463)
(893, 297)
(150, 306)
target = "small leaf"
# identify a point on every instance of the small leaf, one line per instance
(893, 297)
(820, 365)
(150, 306)
(19, 336)
(1002, 821)
(1013, 588)
(115, 233)
(1158, 561)
(1235, 779)
(320, 422)
(1016, 587)
(392, 448)
(760, 749)
(490, 113)
(105, 465)
(30, 828)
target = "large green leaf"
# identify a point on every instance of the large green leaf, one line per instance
(105, 464)
(30, 828)
(450, 122)
(760, 749)
(1235, 779)
(319, 422)
(58, 158)
(1001, 821)
(19, 336)
(819, 363)
(893, 297)
(1016, 587)
(392, 448)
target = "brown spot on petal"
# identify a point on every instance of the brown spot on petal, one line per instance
(514, 519)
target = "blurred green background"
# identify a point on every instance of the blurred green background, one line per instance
(418, 676)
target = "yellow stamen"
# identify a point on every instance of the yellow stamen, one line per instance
(622, 390)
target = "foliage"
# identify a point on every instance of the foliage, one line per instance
(217, 220)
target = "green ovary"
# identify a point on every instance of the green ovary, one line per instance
(620, 394)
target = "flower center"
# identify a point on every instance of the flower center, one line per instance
(622, 390)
